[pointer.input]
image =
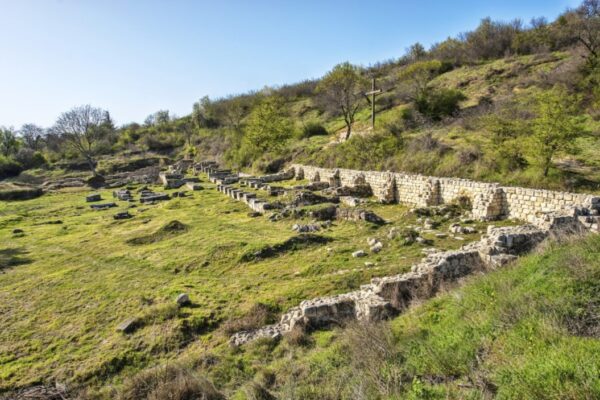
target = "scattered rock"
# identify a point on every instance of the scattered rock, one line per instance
(18, 231)
(376, 248)
(468, 230)
(128, 326)
(369, 264)
(183, 299)
(305, 228)
(359, 253)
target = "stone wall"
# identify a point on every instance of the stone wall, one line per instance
(489, 200)
(388, 296)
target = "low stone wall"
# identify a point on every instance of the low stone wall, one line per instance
(489, 200)
(388, 296)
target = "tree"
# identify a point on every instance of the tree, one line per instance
(32, 135)
(268, 127)
(556, 124)
(9, 144)
(83, 128)
(416, 52)
(233, 111)
(419, 75)
(344, 87)
(588, 31)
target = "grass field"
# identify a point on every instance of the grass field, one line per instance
(74, 274)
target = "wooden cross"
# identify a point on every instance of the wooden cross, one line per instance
(372, 93)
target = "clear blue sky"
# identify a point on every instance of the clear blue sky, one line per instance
(136, 57)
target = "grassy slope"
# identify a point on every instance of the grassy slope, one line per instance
(495, 80)
(528, 331)
(69, 285)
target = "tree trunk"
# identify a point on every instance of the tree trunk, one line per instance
(547, 163)
(92, 166)
(348, 130)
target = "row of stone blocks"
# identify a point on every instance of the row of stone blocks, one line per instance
(388, 296)
(250, 199)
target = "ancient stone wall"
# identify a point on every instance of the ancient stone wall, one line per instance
(488, 200)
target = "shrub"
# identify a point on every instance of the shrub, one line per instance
(9, 167)
(259, 315)
(29, 158)
(440, 103)
(298, 337)
(313, 129)
(169, 382)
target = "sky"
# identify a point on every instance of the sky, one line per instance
(136, 57)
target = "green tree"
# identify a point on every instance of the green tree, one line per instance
(9, 144)
(343, 88)
(418, 75)
(556, 124)
(268, 127)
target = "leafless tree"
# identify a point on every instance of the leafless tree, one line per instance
(82, 128)
(32, 135)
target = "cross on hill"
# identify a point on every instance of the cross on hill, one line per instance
(373, 92)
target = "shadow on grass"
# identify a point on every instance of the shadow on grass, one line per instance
(12, 257)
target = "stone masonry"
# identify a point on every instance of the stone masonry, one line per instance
(490, 201)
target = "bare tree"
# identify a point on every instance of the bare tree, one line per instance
(32, 135)
(588, 30)
(82, 128)
(344, 88)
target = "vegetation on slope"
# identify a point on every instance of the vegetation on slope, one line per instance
(529, 331)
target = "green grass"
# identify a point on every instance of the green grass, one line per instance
(529, 331)
(74, 275)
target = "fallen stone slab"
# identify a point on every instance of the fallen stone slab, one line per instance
(128, 326)
(104, 206)
(155, 197)
(122, 215)
(93, 197)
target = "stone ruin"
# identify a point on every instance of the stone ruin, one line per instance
(386, 297)
(546, 211)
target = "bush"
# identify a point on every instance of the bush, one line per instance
(29, 158)
(440, 103)
(313, 129)
(9, 167)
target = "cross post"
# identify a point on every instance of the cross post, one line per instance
(373, 93)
